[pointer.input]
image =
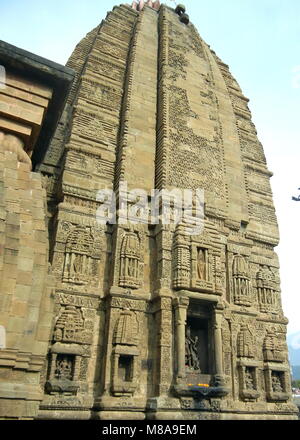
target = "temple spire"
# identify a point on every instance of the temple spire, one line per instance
(138, 6)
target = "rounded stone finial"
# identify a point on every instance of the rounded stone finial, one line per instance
(184, 18)
(180, 9)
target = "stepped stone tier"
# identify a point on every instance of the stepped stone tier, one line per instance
(150, 321)
(33, 93)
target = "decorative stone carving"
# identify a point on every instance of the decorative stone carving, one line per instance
(241, 281)
(245, 343)
(267, 289)
(248, 380)
(272, 350)
(126, 331)
(130, 261)
(203, 267)
(69, 325)
(125, 365)
(182, 260)
(277, 383)
(191, 351)
(78, 261)
(64, 367)
(63, 374)
(202, 263)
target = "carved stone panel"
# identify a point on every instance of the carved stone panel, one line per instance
(241, 281)
(267, 290)
(125, 355)
(277, 384)
(272, 348)
(130, 261)
(248, 381)
(245, 343)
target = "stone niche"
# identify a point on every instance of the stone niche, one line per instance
(268, 290)
(193, 262)
(63, 370)
(277, 383)
(125, 355)
(198, 356)
(199, 351)
(248, 380)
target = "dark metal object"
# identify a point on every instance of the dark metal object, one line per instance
(296, 199)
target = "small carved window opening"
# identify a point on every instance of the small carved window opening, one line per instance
(125, 368)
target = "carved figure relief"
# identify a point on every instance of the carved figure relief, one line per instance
(78, 262)
(69, 325)
(64, 367)
(191, 351)
(204, 267)
(273, 351)
(267, 290)
(249, 379)
(63, 374)
(130, 262)
(245, 345)
(276, 382)
(241, 281)
(201, 264)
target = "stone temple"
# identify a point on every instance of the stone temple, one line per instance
(136, 319)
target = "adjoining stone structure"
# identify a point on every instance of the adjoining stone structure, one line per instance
(31, 102)
(148, 321)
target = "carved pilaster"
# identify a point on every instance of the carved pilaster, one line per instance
(181, 305)
(218, 344)
(164, 344)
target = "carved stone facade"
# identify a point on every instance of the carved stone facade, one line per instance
(149, 320)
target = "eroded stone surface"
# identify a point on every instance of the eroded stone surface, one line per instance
(150, 322)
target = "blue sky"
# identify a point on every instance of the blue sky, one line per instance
(259, 39)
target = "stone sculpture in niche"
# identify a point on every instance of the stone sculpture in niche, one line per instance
(78, 261)
(276, 383)
(191, 351)
(249, 379)
(130, 261)
(201, 264)
(63, 374)
(64, 367)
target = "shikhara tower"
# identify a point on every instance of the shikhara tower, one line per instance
(148, 321)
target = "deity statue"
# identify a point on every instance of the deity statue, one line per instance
(249, 382)
(63, 369)
(201, 264)
(276, 384)
(191, 352)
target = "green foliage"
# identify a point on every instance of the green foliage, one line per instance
(296, 383)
